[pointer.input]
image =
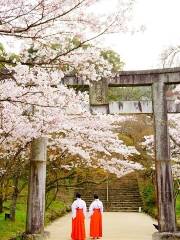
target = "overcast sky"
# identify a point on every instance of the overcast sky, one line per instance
(142, 50)
(162, 21)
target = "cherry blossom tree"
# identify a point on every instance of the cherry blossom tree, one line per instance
(67, 25)
(56, 40)
(41, 19)
(33, 104)
(174, 145)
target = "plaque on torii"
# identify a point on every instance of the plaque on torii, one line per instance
(159, 106)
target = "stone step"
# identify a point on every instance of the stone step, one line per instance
(113, 185)
(112, 195)
(138, 199)
(127, 202)
(124, 198)
(116, 203)
(122, 210)
(117, 193)
(116, 199)
(121, 206)
(125, 205)
(111, 205)
(110, 188)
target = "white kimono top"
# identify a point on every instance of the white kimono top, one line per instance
(96, 204)
(79, 203)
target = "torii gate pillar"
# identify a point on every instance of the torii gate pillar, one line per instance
(164, 179)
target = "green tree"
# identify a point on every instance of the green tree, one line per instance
(129, 93)
(113, 58)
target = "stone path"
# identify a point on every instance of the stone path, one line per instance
(116, 226)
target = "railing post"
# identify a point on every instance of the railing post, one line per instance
(164, 179)
(107, 190)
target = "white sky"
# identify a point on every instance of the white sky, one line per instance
(142, 50)
(162, 21)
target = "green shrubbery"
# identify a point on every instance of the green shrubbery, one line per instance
(147, 191)
(148, 194)
(149, 200)
(56, 210)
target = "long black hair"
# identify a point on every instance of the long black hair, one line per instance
(78, 195)
(96, 196)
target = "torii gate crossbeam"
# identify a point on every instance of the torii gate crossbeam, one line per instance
(133, 78)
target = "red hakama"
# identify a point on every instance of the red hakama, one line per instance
(78, 227)
(96, 224)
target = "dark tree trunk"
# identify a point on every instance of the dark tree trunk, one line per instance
(1, 197)
(1, 203)
(14, 199)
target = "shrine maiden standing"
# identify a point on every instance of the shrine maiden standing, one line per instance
(78, 215)
(95, 212)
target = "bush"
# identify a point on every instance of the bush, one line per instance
(149, 199)
(57, 209)
(148, 194)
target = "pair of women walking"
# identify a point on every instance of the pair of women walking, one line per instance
(78, 215)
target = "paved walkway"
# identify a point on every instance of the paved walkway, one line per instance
(116, 226)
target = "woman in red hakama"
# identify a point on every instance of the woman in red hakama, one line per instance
(78, 212)
(96, 209)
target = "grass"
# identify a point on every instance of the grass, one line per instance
(178, 210)
(10, 229)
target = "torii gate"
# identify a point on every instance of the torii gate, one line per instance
(158, 79)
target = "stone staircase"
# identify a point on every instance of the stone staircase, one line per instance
(122, 194)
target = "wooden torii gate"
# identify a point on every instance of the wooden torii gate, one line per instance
(157, 79)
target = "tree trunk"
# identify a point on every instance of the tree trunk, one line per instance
(1, 197)
(1, 203)
(14, 199)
